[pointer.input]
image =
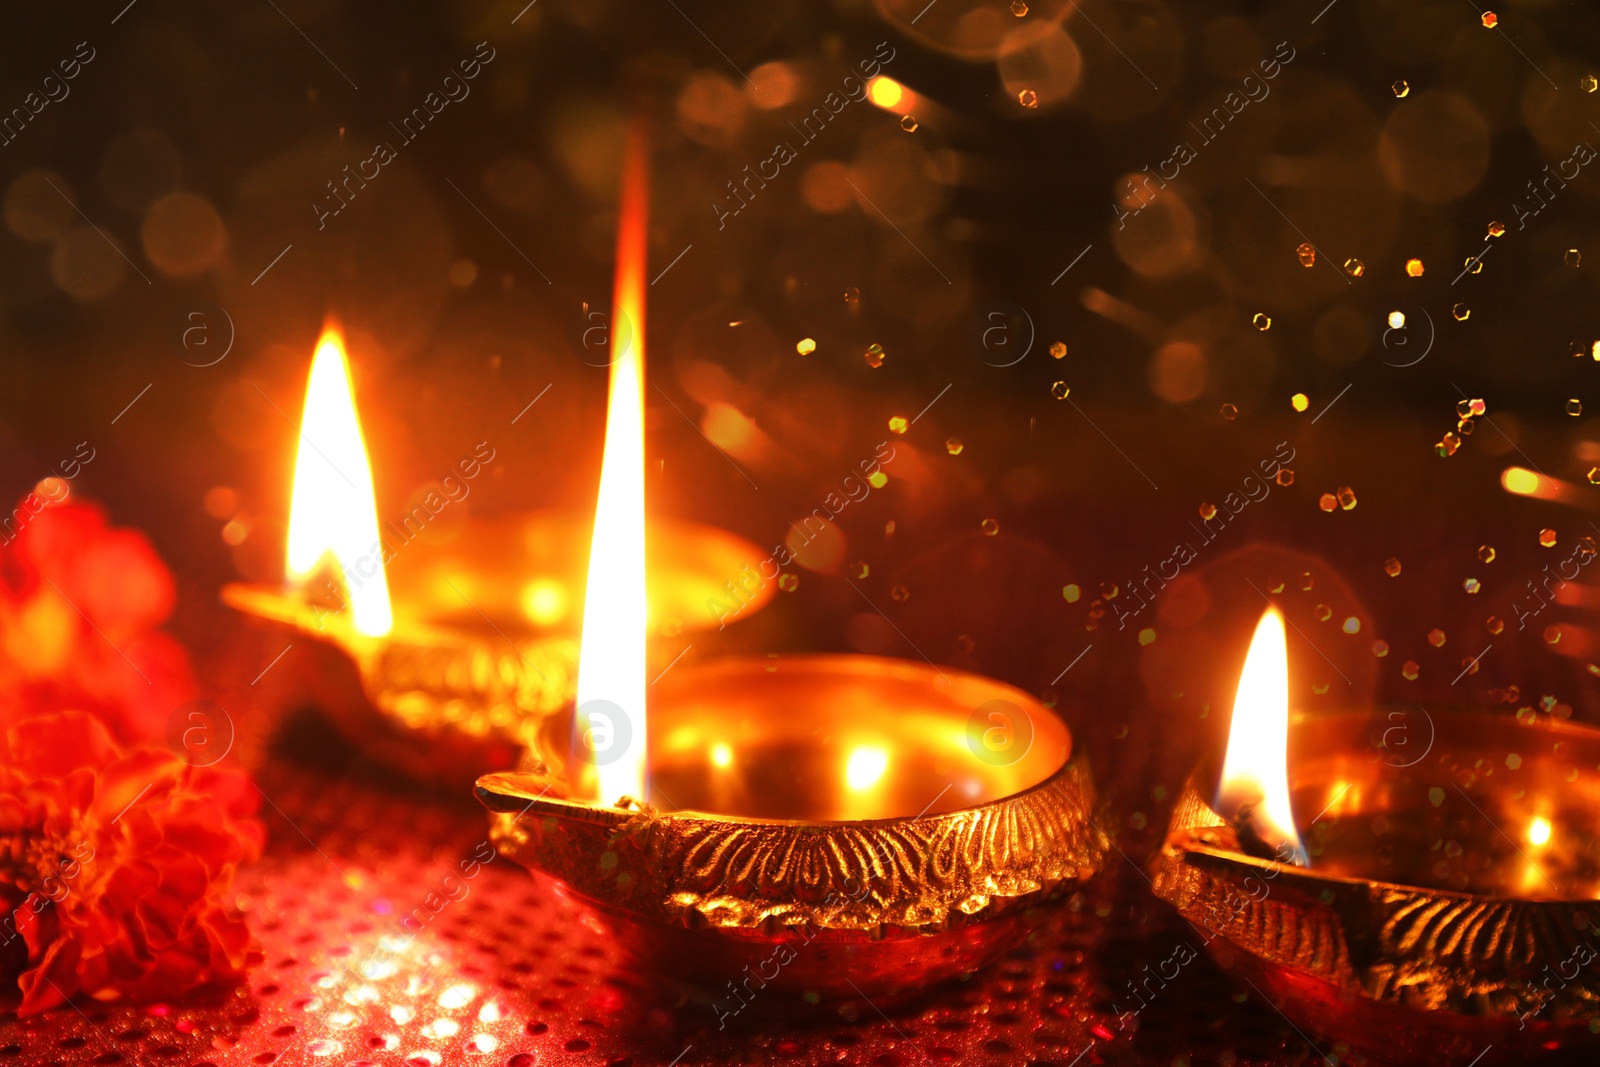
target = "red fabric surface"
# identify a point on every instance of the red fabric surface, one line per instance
(506, 974)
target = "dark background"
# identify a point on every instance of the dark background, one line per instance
(199, 137)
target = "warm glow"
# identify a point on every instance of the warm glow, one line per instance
(1343, 798)
(721, 755)
(733, 431)
(865, 767)
(1522, 481)
(333, 515)
(885, 92)
(544, 601)
(1255, 773)
(1539, 831)
(611, 663)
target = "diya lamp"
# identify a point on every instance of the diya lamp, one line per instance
(462, 643)
(1443, 903)
(791, 830)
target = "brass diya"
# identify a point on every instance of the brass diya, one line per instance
(1450, 903)
(484, 639)
(832, 833)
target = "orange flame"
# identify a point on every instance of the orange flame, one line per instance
(333, 514)
(611, 665)
(1255, 772)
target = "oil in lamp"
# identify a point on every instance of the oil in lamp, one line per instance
(792, 830)
(1439, 906)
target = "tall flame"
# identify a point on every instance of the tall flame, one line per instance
(611, 664)
(1255, 772)
(333, 514)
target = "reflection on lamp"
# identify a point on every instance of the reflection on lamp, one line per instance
(866, 765)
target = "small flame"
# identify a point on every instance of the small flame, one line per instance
(611, 663)
(1255, 772)
(333, 514)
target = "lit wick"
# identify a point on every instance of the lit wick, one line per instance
(333, 514)
(609, 727)
(1254, 794)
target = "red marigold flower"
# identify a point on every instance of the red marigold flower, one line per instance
(80, 603)
(116, 865)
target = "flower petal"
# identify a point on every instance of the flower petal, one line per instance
(53, 746)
